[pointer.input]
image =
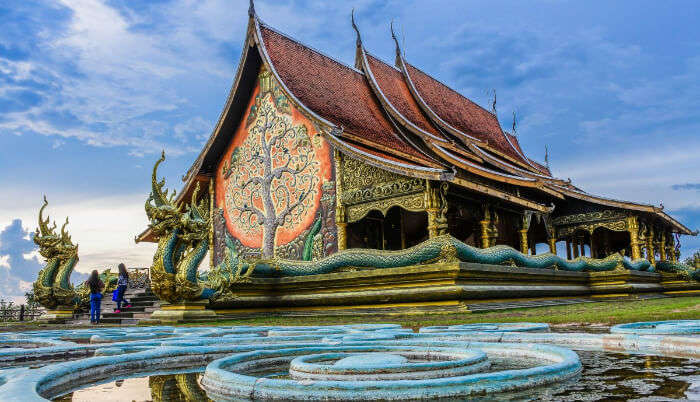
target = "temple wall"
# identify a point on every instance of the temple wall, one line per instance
(274, 186)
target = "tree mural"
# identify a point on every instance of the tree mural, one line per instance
(272, 177)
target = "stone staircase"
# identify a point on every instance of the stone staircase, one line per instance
(143, 303)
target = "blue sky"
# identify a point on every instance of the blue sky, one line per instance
(92, 90)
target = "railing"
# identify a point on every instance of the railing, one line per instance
(10, 312)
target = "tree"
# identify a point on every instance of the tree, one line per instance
(272, 176)
(693, 260)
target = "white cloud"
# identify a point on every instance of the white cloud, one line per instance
(640, 173)
(103, 227)
(5, 261)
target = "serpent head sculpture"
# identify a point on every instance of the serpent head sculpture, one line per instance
(52, 287)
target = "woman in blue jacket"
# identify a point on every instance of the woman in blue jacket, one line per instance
(122, 284)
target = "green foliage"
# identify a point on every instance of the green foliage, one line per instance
(693, 260)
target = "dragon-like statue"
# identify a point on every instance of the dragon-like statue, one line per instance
(443, 248)
(680, 268)
(183, 241)
(53, 288)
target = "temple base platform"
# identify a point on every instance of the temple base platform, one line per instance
(442, 288)
(191, 311)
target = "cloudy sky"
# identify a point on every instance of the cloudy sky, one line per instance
(92, 90)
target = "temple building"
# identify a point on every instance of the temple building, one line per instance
(311, 156)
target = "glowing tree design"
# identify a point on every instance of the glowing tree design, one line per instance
(272, 176)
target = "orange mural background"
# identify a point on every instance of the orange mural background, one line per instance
(321, 154)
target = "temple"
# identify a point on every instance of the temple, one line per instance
(311, 156)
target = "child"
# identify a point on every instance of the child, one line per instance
(96, 286)
(122, 284)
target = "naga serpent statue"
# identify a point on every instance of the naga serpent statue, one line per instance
(53, 287)
(183, 242)
(182, 232)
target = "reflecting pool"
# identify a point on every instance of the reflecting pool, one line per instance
(509, 362)
(605, 376)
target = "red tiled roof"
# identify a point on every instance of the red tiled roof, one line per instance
(460, 112)
(393, 85)
(514, 140)
(333, 90)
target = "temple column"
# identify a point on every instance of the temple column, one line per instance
(568, 249)
(436, 207)
(552, 241)
(341, 223)
(523, 241)
(524, 227)
(633, 229)
(493, 230)
(342, 226)
(593, 250)
(485, 228)
(576, 247)
(650, 244)
(662, 249)
(672, 247)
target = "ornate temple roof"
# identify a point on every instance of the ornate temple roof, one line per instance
(397, 117)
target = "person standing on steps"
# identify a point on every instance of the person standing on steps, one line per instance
(96, 286)
(122, 284)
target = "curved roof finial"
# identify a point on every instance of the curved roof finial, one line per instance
(354, 26)
(251, 9)
(393, 36)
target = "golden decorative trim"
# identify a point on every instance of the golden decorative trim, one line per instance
(413, 202)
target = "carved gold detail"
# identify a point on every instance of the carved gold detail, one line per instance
(355, 175)
(384, 190)
(436, 206)
(616, 226)
(604, 215)
(413, 202)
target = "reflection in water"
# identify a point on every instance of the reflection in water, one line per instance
(156, 388)
(606, 376)
(612, 376)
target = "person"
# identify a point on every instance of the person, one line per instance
(122, 284)
(96, 286)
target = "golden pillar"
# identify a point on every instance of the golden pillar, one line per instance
(672, 248)
(436, 207)
(486, 228)
(523, 241)
(552, 241)
(633, 229)
(341, 223)
(662, 249)
(650, 244)
(342, 227)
